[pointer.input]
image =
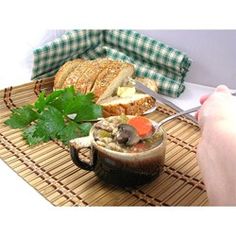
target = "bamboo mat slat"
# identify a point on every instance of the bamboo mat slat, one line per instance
(50, 171)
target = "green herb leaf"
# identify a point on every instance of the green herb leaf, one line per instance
(84, 129)
(54, 95)
(52, 121)
(44, 100)
(90, 112)
(21, 117)
(49, 115)
(41, 102)
(35, 134)
(80, 101)
(70, 131)
(66, 99)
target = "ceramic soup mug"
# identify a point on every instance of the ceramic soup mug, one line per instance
(118, 167)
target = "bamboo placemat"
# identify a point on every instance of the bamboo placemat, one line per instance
(49, 169)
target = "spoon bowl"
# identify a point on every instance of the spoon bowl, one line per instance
(156, 126)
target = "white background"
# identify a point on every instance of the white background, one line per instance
(32, 219)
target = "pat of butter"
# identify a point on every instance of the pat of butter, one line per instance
(124, 92)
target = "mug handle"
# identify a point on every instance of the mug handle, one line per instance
(75, 153)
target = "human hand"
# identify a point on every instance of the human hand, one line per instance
(217, 148)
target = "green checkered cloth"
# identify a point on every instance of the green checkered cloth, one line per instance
(150, 57)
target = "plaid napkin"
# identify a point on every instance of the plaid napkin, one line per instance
(150, 57)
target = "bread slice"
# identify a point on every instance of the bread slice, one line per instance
(135, 105)
(64, 71)
(111, 78)
(150, 83)
(85, 82)
(73, 77)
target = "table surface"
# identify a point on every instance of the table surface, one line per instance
(29, 197)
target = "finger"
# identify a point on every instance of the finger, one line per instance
(223, 89)
(204, 98)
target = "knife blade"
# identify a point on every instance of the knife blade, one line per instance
(141, 87)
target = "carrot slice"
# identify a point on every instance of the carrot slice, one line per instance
(142, 124)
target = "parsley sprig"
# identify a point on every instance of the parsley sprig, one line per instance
(48, 118)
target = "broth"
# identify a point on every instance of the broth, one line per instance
(116, 134)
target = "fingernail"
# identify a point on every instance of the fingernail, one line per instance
(222, 88)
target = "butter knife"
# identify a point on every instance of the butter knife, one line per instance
(141, 87)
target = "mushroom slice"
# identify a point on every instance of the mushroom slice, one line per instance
(127, 135)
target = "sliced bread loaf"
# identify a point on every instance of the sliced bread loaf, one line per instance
(101, 76)
(135, 105)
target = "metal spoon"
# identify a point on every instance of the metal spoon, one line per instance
(177, 115)
(156, 126)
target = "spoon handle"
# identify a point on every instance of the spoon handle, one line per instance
(178, 114)
(182, 113)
